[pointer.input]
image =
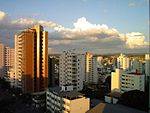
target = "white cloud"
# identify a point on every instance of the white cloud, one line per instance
(83, 36)
(88, 35)
(3, 16)
(135, 40)
(24, 21)
(131, 4)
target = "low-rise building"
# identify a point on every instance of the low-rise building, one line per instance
(61, 101)
(123, 82)
(132, 81)
(39, 100)
(112, 97)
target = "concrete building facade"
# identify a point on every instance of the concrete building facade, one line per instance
(88, 66)
(123, 62)
(1, 59)
(95, 72)
(71, 70)
(59, 101)
(122, 82)
(53, 71)
(31, 59)
(137, 65)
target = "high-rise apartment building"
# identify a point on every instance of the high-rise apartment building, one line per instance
(53, 71)
(6, 59)
(123, 62)
(9, 56)
(1, 59)
(95, 65)
(1, 54)
(31, 59)
(88, 66)
(147, 65)
(71, 70)
(137, 65)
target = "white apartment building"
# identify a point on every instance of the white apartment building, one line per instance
(132, 81)
(72, 70)
(147, 65)
(137, 65)
(59, 101)
(127, 81)
(123, 62)
(95, 74)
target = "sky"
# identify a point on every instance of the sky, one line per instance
(98, 26)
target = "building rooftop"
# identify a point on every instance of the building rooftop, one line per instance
(135, 73)
(111, 108)
(114, 94)
(66, 94)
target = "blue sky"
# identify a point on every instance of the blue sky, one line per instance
(123, 15)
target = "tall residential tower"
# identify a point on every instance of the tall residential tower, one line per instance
(31, 59)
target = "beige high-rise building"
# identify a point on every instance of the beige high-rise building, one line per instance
(31, 59)
(88, 68)
(1, 59)
(9, 56)
(1, 54)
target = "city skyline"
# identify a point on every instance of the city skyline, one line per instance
(107, 26)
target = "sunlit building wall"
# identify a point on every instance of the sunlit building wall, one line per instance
(123, 62)
(1, 54)
(1, 59)
(9, 59)
(88, 66)
(66, 101)
(9, 56)
(115, 79)
(123, 82)
(31, 59)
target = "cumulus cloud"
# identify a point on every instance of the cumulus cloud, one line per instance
(136, 40)
(6, 23)
(3, 16)
(83, 36)
(97, 37)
